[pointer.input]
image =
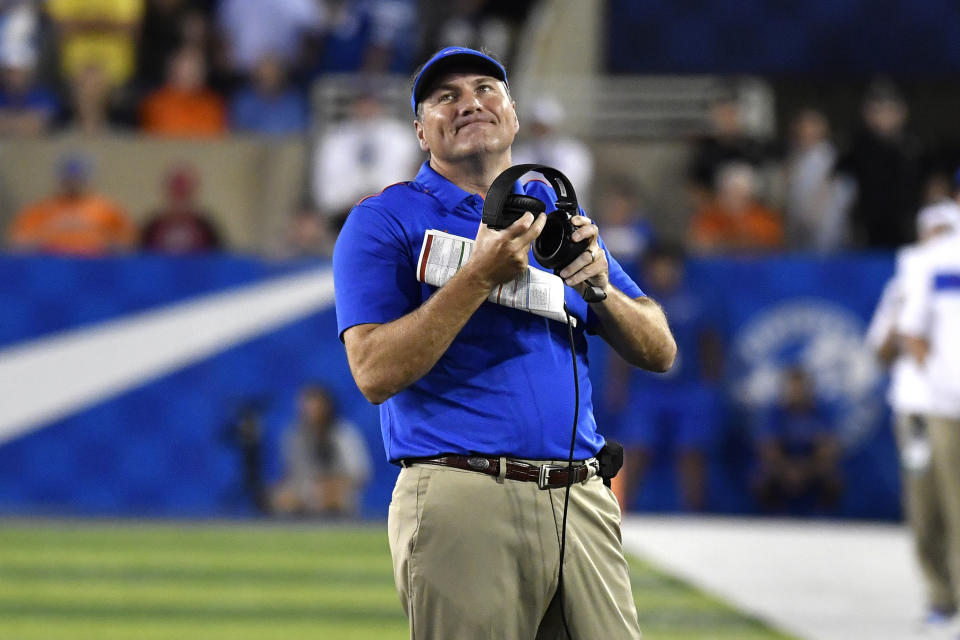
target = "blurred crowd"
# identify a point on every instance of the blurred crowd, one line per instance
(208, 67)
(804, 192)
(326, 461)
(204, 69)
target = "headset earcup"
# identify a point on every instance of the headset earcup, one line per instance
(516, 205)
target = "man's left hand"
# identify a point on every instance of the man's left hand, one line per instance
(591, 264)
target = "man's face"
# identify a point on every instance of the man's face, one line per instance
(885, 118)
(465, 115)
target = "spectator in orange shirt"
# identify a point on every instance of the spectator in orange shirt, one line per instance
(184, 106)
(74, 221)
(735, 221)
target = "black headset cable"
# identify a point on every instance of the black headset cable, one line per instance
(566, 496)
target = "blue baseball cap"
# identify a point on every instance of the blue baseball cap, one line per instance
(449, 59)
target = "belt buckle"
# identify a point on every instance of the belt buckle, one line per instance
(592, 465)
(545, 471)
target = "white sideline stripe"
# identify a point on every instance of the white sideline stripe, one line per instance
(54, 376)
(814, 580)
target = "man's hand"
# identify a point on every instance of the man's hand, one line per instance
(591, 264)
(501, 255)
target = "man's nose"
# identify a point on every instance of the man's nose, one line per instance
(469, 103)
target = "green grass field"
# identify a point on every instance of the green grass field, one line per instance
(103, 580)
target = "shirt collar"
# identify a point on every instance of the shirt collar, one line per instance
(450, 195)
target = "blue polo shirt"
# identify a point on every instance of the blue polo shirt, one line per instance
(505, 384)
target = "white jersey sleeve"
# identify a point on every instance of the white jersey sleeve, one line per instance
(885, 315)
(914, 317)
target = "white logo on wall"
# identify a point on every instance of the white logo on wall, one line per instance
(827, 341)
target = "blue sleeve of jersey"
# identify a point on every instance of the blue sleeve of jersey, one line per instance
(373, 271)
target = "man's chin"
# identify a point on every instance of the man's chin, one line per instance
(475, 148)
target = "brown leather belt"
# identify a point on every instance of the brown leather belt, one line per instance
(547, 476)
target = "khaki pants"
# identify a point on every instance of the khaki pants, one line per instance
(932, 501)
(477, 558)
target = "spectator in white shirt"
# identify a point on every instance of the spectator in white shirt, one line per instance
(360, 156)
(327, 460)
(815, 203)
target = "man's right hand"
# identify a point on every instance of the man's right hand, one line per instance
(499, 256)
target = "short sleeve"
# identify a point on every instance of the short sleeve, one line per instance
(373, 270)
(885, 315)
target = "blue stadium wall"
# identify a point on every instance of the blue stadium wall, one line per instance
(167, 445)
(832, 37)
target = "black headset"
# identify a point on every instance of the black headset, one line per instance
(554, 248)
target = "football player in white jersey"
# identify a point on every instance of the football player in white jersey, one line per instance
(925, 395)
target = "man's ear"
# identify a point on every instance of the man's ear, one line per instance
(420, 137)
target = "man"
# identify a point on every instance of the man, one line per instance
(267, 104)
(26, 107)
(75, 220)
(815, 205)
(730, 140)
(476, 396)
(927, 325)
(677, 411)
(327, 463)
(735, 220)
(180, 226)
(883, 164)
(798, 450)
(185, 106)
(360, 154)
